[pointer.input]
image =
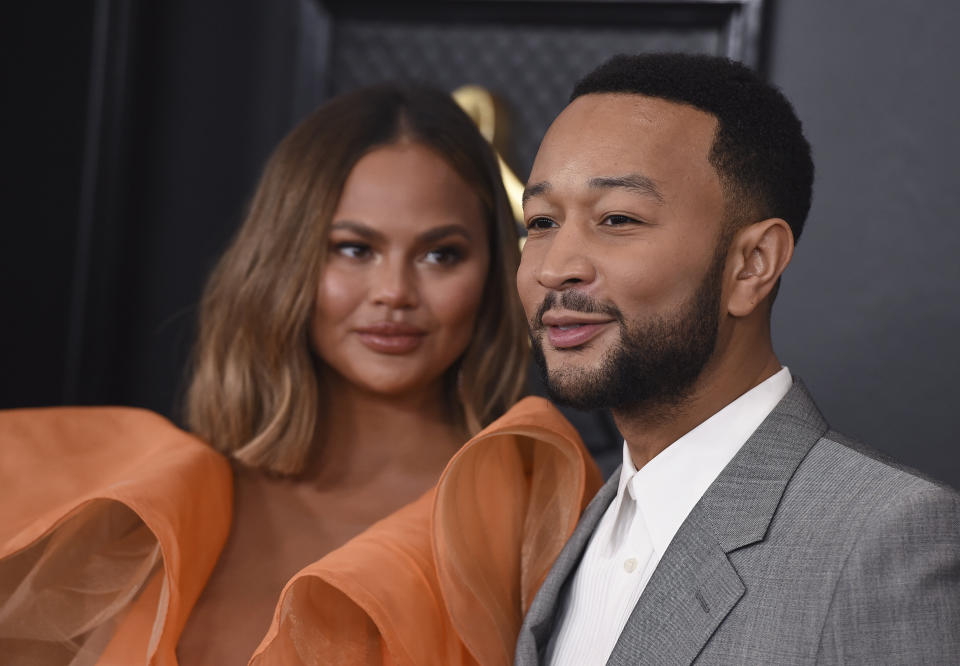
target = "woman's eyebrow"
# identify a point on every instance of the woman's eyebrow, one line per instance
(438, 233)
(358, 228)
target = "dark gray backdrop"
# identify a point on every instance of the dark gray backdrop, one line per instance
(869, 313)
(98, 304)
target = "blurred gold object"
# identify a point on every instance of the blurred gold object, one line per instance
(480, 105)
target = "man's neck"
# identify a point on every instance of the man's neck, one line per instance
(650, 429)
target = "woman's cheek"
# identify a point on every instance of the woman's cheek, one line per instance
(337, 297)
(460, 302)
(339, 293)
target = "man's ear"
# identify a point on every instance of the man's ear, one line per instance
(759, 252)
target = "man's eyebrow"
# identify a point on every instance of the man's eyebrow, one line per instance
(634, 182)
(535, 190)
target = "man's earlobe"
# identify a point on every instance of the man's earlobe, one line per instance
(761, 251)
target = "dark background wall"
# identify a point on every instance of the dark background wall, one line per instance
(869, 314)
(45, 82)
(107, 242)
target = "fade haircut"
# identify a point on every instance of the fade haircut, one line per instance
(759, 151)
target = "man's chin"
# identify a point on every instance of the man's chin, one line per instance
(573, 377)
(571, 371)
(583, 360)
(574, 387)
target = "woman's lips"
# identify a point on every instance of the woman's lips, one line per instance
(391, 337)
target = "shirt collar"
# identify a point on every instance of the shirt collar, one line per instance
(668, 487)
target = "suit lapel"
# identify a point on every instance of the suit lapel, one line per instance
(695, 586)
(538, 624)
(692, 590)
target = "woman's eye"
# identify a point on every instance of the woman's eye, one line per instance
(540, 223)
(353, 250)
(448, 255)
(619, 220)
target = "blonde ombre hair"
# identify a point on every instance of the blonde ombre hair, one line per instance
(254, 391)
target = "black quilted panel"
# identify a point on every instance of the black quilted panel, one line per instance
(530, 67)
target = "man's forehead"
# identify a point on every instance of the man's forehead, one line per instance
(634, 109)
(621, 132)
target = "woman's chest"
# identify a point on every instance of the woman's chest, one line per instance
(273, 536)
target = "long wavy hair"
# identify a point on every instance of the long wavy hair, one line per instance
(254, 392)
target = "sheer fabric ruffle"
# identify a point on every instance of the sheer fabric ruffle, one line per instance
(446, 580)
(111, 520)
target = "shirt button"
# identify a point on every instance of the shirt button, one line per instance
(630, 565)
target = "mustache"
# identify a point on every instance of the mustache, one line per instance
(575, 301)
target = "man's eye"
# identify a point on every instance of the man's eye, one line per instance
(619, 220)
(540, 223)
(447, 255)
(353, 250)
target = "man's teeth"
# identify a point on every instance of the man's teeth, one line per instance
(570, 326)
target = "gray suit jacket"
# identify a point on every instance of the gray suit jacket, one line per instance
(807, 549)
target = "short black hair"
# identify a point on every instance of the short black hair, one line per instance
(759, 151)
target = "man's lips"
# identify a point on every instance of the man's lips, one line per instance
(391, 337)
(566, 330)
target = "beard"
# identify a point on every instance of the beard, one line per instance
(656, 362)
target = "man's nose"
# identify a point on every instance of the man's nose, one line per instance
(567, 261)
(395, 284)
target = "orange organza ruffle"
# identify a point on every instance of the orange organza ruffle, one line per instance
(445, 580)
(111, 520)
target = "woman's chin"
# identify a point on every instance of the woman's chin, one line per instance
(397, 386)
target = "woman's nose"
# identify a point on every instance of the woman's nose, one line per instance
(395, 285)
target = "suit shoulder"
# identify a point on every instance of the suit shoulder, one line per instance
(896, 592)
(847, 472)
(885, 466)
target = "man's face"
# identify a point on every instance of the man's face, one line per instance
(621, 274)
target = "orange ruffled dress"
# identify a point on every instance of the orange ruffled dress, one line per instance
(111, 520)
(444, 580)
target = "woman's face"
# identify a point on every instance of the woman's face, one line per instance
(405, 272)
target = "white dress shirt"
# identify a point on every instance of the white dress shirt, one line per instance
(650, 506)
